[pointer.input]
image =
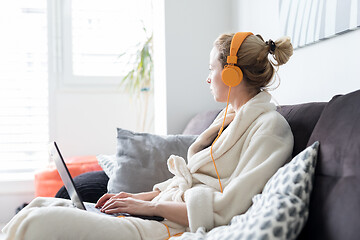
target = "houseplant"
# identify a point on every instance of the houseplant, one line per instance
(138, 82)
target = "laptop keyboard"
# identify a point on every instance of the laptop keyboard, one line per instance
(91, 208)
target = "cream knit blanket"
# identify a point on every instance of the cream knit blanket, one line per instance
(257, 142)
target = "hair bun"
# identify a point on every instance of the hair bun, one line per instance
(283, 50)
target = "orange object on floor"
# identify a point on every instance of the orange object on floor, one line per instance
(48, 181)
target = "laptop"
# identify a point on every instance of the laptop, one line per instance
(72, 191)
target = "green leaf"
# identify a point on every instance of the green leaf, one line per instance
(141, 74)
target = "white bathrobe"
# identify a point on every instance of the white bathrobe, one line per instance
(255, 144)
(257, 141)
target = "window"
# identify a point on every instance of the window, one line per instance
(96, 33)
(79, 43)
(23, 85)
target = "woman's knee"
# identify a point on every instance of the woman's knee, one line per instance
(40, 223)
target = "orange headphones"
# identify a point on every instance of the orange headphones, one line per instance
(232, 76)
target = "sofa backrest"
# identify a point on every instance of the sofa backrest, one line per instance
(200, 122)
(302, 119)
(335, 200)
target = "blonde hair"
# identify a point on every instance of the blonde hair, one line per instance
(253, 58)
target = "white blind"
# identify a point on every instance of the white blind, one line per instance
(23, 85)
(103, 30)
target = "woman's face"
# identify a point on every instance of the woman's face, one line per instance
(218, 88)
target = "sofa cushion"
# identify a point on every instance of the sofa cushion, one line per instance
(335, 201)
(48, 182)
(90, 186)
(141, 159)
(302, 119)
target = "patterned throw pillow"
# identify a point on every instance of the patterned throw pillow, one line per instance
(280, 211)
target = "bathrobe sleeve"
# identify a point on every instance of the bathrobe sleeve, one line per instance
(162, 185)
(265, 154)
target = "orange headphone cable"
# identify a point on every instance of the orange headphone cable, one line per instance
(220, 131)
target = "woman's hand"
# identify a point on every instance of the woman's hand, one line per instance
(129, 205)
(139, 204)
(108, 196)
(145, 196)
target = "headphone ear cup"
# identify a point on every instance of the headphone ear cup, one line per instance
(231, 75)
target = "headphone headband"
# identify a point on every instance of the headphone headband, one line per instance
(236, 42)
(232, 74)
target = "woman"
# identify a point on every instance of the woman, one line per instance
(220, 178)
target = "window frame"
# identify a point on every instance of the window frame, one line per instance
(67, 79)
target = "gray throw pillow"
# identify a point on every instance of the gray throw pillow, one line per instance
(141, 159)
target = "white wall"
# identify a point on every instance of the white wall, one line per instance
(84, 122)
(190, 30)
(322, 70)
(315, 72)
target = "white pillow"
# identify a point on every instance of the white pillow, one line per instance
(280, 211)
(107, 163)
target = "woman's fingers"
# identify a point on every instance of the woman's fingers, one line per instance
(110, 202)
(114, 204)
(128, 205)
(104, 199)
(112, 197)
(115, 210)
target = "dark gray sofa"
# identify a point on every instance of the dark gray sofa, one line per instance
(335, 200)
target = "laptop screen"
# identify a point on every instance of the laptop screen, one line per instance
(65, 175)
